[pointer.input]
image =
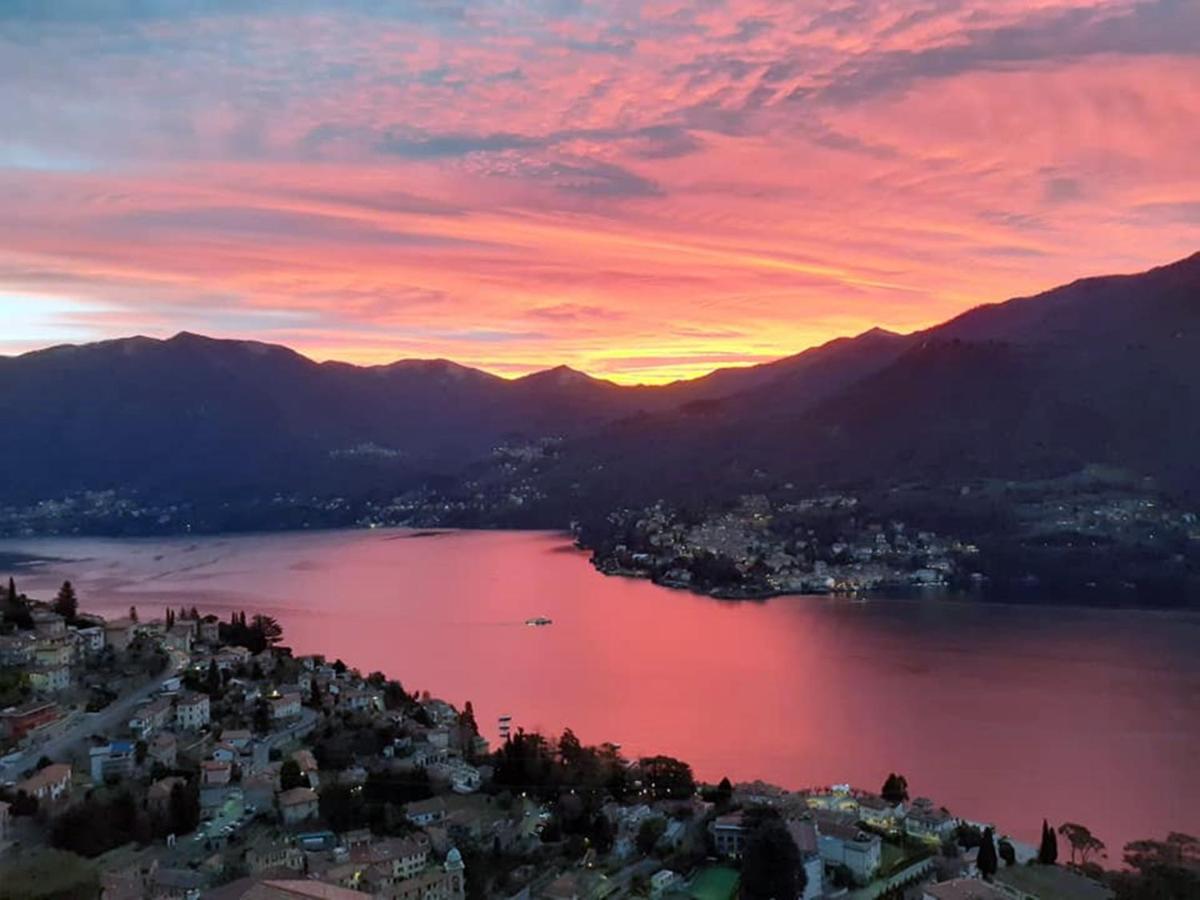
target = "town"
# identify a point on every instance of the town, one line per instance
(193, 756)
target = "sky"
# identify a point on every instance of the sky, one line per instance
(644, 191)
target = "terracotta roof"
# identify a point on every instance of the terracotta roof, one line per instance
(52, 774)
(965, 889)
(297, 795)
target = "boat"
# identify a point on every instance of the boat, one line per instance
(539, 620)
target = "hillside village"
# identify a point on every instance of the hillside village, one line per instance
(191, 756)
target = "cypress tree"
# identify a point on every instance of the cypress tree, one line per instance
(987, 862)
(1048, 850)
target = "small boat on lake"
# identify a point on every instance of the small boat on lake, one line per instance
(539, 620)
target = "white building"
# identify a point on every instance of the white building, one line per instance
(191, 711)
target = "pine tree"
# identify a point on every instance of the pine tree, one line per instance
(987, 862)
(133, 614)
(66, 604)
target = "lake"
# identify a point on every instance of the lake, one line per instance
(1003, 713)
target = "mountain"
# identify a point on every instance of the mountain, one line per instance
(1100, 371)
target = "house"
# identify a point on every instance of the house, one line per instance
(962, 889)
(91, 638)
(276, 855)
(49, 784)
(729, 834)
(117, 759)
(53, 653)
(50, 679)
(661, 881)
(401, 857)
(804, 834)
(297, 805)
(210, 630)
(285, 706)
(47, 624)
(179, 637)
(1048, 883)
(225, 752)
(879, 812)
(426, 812)
(928, 823)
(446, 883)
(191, 711)
(151, 717)
(16, 649)
(283, 889)
(163, 749)
(240, 738)
(842, 843)
(308, 766)
(18, 721)
(119, 633)
(215, 773)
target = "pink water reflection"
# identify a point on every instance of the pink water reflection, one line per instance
(1002, 713)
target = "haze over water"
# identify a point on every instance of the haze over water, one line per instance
(1008, 714)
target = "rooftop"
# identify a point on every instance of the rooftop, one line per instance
(965, 889)
(1054, 882)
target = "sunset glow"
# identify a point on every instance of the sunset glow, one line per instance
(645, 191)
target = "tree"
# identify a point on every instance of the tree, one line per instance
(184, 811)
(133, 614)
(895, 789)
(1048, 850)
(570, 750)
(1082, 841)
(66, 604)
(262, 716)
(170, 618)
(724, 793)
(771, 864)
(668, 778)
(1160, 870)
(16, 610)
(649, 834)
(987, 862)
(1008, 852)
(213, 681)
(290, 776)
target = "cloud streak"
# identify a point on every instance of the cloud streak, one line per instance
(645, 190)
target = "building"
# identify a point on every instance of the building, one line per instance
(297, 805)
(401, 857)
(729, 834)
(215, 773)
(274, 856)
(163, 749)
(426, 812)
(16, 649)
(91, 638)
(929, 823)
(179, 636)
(210, 630)
(191, 711)
(117, 759)
(47, 624)
(239, 738)
(804, 833)
(49, 784)
(53, 653)
(1048, 883)
(149, 718)
(119, 633)
(283, 889)
(18, 721)
(842, 843)
(50, 679)
(879, 812)
(285, 706)
(962, 889)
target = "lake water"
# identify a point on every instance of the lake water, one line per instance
(1003, 713)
